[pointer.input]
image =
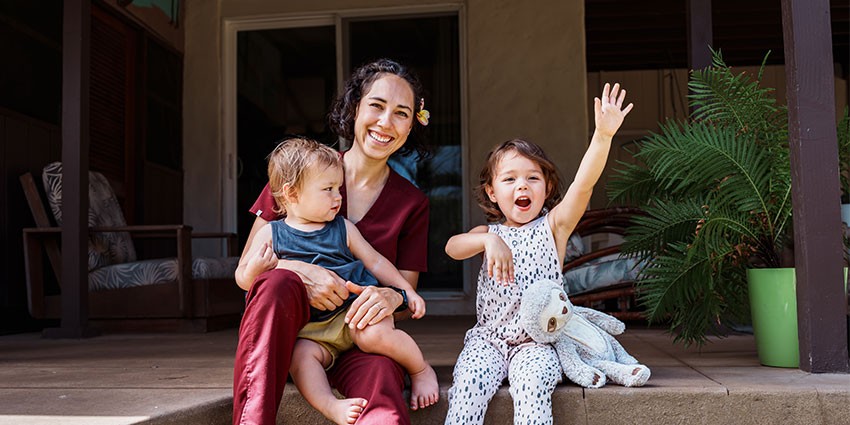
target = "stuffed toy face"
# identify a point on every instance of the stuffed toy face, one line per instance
(556, 312)
(545, 311)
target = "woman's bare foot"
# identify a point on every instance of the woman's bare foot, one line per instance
(345, 411)
(424, 388)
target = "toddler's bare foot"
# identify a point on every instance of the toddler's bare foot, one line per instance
(345, 411)
(424, 388)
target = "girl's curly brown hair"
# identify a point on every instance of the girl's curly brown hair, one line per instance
(532, 152)
(344, 110)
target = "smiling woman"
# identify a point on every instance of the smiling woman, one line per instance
(287, 81)
(376, 109)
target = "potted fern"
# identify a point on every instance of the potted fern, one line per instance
(717, 193)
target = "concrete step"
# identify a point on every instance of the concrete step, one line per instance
(187, 379)
(674, 395)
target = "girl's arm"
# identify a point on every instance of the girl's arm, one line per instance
(608, 116)
(499, 258)
(469, 244)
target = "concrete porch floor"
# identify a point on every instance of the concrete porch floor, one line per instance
(186, 379)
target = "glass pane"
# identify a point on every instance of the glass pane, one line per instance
(430, 46)
(286, 84)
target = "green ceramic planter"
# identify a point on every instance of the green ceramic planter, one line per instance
(773, 304)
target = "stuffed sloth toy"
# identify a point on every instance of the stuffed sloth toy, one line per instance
(582, 337)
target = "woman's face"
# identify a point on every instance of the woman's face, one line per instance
(384, 117)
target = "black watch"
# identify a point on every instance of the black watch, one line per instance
(403, 293)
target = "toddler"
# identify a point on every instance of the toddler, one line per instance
(305, 178)
(525, 241)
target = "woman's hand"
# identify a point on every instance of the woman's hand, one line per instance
(500, 260)
(608, 111)
(372, 305)
(325, 289)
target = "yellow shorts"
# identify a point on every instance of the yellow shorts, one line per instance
(332, 334)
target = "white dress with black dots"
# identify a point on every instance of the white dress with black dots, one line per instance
(497, 347)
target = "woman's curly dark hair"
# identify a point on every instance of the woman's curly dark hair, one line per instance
(534, 153)
(344, 110)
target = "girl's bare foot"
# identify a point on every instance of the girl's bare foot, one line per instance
(424, 388)
(345, 411)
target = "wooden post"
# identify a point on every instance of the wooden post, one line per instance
(821, 300)
(76, 29)
(700, 35)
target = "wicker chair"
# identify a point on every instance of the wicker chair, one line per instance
(601, 278)
(126, 293)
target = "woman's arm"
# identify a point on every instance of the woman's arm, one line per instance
(500, 263)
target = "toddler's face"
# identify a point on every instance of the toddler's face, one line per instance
(519, 188)
(318, 199)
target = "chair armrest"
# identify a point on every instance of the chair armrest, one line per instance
(146, 231)
(42, 230)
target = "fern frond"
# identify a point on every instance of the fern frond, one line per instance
(720, 95)
(632, 184)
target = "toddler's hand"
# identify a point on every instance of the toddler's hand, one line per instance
(500, 260)
(608, 111)
(263, 261)
(416, 304)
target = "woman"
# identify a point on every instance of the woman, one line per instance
(379, 112)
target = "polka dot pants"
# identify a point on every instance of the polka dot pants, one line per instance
(532, 373)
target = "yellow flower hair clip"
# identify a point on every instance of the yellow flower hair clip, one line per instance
(423, 115)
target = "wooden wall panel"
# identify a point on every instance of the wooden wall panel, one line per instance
(26, 145)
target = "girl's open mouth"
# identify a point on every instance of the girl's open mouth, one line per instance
(523, 202)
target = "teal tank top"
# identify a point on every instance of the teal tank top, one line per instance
(326, 247)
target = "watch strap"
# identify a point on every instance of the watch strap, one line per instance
(403, 293)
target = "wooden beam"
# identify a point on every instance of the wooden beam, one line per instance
(821, 298)
(699, 34)
(76, 29)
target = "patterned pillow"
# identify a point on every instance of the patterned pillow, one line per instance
(599, 273)
(157, 271)
(104, 211)
(575, 248)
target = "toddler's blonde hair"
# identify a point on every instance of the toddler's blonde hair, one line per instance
(289, 163)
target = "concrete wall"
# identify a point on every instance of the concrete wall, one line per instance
(202, 138)
(527, 79)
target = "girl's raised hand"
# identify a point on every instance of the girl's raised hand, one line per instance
(608, 111)
(500, 260)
